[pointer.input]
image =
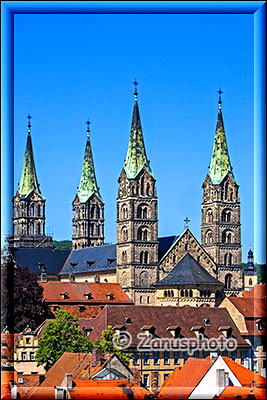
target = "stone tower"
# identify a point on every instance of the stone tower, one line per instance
(88, 205)
(29, 206)
(221, 228)
(137, 219)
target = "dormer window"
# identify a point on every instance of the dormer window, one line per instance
(64, 295)
(226, 331)
(42, 267)
(199, 331)
(149, 329)
(259, 324)
(82, 308)
(110, 261)
(89, 263)
(175, 331)
(89, 296)
(110, 296)
(73, 265)
(128, 320)
(206, 321)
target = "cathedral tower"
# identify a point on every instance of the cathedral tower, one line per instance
(88, 205)
(221, 228)
(137, 219)
(29, 205)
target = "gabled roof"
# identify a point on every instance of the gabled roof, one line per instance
(98, 258)
(244, 375)
(76, 292)
(220, 164)
(88, 184)
(28, 180)
(52, 259)
(232, 392)
(161, 318)
(188, 272)
(136, 157)
(182, 382)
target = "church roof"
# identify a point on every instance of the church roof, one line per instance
(188, 272)
(28, 180)
(136, 157)
(99, 258)
(220, 164)
(88, 184)
(52, 259)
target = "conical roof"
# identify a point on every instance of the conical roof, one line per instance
(136, 157)
(220, 164)
(88, 184)
(28, 180)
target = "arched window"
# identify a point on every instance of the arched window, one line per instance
(142, 234)
(15, 229)
(186, 293)
(32, 228)
(38, 229)
(190, 293)
(124, 212)
(142, 185)
(165, 293)
(148, 300)
(144, 213)
(201, 293)
(229, 237)
(209, 216)
(228, 281)
(141, 299)
(186, 247)
(146, 257)
(209, 293)
(228, 259)
(92, 211)
(124, 257)
(92, 229)
(141, 257)
(226, 215)
(209, 237)
(143, 278)
(182, 293)
(97, 212)
(172, 293)
(250, 282)
(32, 210)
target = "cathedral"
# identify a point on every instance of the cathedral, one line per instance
(173, 270)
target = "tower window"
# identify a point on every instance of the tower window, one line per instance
(124, 257)
(124, 234)
(228, 281)
(226, 216)
(250, 282)
(93, 211)
(32, 210)
(32, 228)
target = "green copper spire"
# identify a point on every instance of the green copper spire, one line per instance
(88, 184)
(136, 157)
(28, 180)
(220, 160)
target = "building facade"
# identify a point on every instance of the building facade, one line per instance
(220, 226)
(88, 205)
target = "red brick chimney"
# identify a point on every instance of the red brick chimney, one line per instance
(97, 354)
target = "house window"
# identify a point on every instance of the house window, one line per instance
(176, 357)
(146, 380)
(233, 355)
(136, 358)
(32, 356)
(23, 356)
(156, 357)
(28, 340)
(166, 357)
(146, 358)
(165, 376)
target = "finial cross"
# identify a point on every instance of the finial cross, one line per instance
(29, 120)
(220, 96)
(135, 86)
(186, 220)
(88, 129)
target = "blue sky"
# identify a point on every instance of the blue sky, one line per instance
(70, 67)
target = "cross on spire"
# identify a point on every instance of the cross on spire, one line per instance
(186, 220)
(220, 97)
(135, 91)
(29, 122)
(88, 129)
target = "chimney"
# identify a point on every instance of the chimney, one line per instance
(97, 354)
(154, 382)
(60, 392)
(67, 381)
(253, 385)
(136, 376)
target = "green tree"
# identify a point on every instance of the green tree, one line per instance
(106, 344)
(60, 335)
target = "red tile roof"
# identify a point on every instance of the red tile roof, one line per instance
(88, 312)
(161, 318)
(109, 389)
(244, 375)
(76, 292)
(258, 291)
(231, 392)
(7, 374)
(183, 381)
